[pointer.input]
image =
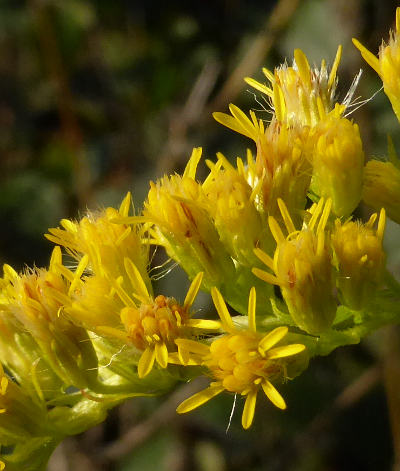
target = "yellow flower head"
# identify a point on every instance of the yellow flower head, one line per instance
(24, 359)
(232, 207)
(282, 169)
(382, 187)
(35, 300)
(360, 259)
(242, 361)
(300, 95)
(150, 325)
(20, 416)
(302, 269)
(176, 206)
(154, 326)
(104, 241)
(338, 161)
(387, 64)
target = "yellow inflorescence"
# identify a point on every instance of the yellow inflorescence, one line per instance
(177, 207)
(35, 301)
(231, 204)
(104, 243)
(242, 361)
(280, 217)
(155, 324)
(300, 95)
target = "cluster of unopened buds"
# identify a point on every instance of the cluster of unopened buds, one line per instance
(272, 236)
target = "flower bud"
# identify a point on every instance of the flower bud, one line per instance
(177, 207)
(338, 160)
(359, 259)
(302, 266)
(231, 205)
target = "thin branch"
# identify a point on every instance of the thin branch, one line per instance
(162, 416)
(255, 54)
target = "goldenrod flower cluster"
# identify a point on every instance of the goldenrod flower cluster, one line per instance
(272, 235)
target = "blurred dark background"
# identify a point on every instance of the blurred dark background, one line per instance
(98, 97)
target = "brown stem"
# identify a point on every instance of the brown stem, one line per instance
(70, 128)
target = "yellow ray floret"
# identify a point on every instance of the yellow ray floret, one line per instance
(243, 361)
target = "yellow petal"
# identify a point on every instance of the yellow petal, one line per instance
(242, 118)
(382, 219)
(285, 351)
(111, 331)
(193, 346)
(193, 290)
(268, 277)
(258, 86)
(125, 205)
(231, 123)
(368, 56)
(191, 167)
(138, 284)
(272, 338)
(176, 358)
(56, 257)
(199, 399)
(286, 217)
(78, 273)
(265, 258)
(205, 324)
(275, 230)
(222, 310)
(252, 310)
(161, 351)
(303, 67)
(249, 408)
(146, 362)
(273, 395)
(335, 66)
(3, 385)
